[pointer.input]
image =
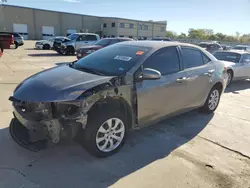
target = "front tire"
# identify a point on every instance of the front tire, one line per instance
(105, 132)
(212, 101)
(16, 45)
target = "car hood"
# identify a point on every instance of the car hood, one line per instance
(61, 83)
(91, 47)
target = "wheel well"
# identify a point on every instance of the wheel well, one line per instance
(114, 104)
(230, 70)
(218, 86)
(71, 47)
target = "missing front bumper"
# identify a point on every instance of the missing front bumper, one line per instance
(23, 137)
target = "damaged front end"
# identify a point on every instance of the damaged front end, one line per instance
(45, 121)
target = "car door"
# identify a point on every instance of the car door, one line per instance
(158, 98)
(243, 67)
(91, 39)
(80, 41)
(199, 70)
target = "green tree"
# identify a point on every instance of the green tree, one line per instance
(171, 34)
(182, 36)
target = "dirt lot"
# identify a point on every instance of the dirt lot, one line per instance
(191, 150)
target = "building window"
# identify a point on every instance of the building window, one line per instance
(122, 25)
(131, 26)
(105, 25)
(145, 27)
(113, 24)
(162, 29)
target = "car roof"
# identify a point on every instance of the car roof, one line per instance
(235, 51)
(120, 38)
(158, 44)
(86, 34)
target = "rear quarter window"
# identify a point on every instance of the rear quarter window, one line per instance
(191, 57)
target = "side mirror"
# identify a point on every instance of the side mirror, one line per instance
(150, 74)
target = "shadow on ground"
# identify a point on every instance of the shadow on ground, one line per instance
(31, 49)
(62, 63)
(69, 165)
(44, 54)
(237, 86)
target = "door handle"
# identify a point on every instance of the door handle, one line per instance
(209, 73)
(181, 79)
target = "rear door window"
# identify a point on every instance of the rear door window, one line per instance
(166, 61)
(90, 37)
(191, 57)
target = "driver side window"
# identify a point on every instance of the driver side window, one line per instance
(80, 38)
(166, 61)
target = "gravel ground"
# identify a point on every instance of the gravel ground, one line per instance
(191, 150)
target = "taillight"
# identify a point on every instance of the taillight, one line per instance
(12, 39)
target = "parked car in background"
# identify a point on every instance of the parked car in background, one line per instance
(210, 47)
(18, 39)
(226, 47)
(124, 86)
(6, 40)
(241, 47)
(86, 50)
(74, 42)
(47, 44)
(161, 39)
(237, 63)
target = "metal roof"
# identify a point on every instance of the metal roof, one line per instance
(101, 17)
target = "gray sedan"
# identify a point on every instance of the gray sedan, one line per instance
(237, 63)
(118, 88)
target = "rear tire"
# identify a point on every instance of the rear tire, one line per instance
(230, 77)
(102, 126)
(46, 46)
(212, 101)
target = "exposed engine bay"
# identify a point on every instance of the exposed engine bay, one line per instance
(50, 119)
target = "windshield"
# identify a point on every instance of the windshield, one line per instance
(103, 42)
(228, 56)
(72, 36)
(240, 48)
(114, 60)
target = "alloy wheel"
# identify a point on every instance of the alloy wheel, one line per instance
(213, 99)
(110, 135)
